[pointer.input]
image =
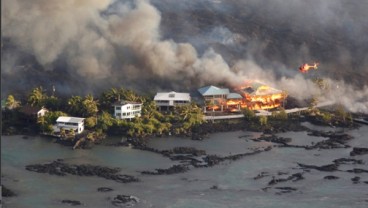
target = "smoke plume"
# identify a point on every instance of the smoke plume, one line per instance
(85, 46)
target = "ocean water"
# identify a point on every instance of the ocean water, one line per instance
(235, 180)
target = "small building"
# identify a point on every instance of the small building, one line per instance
(167, 100)
(214, 97)
(33, 112)
(127, 109)
(68, 123)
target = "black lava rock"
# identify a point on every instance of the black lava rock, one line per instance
(71, 202)
(331, 177)
(359, 151)
(104, 189)
(7, 192)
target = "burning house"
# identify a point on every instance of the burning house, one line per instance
(215, 98)
(258, 96)
(252, 95)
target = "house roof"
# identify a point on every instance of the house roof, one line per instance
(172, 96)
(234, 96)
(257, 88)
(212, 90)
(68, 119)
(124, 102)
(30, 110)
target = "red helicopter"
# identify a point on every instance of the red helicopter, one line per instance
(306, 67)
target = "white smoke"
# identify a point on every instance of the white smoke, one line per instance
(127, 42)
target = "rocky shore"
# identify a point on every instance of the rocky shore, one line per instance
(191, 157)
(59, 168)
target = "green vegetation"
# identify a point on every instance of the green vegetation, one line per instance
(12, 103)
(263, 121)
(98, 114)
(100, 121)
(249, 115)
(337, 117)
(279, 115)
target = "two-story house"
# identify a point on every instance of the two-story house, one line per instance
(127, 109)
(167, 100)
(68, 123)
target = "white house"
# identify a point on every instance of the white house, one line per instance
(126, 109)
(167, 100)
(69, 123)
(33, 111)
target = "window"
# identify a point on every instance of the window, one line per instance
(172, 95)
(118, 114)
(117, 108)
(124, 114)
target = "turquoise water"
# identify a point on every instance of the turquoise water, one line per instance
(236, 186)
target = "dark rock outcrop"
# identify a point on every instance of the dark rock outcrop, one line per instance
(60, 168)
(328, 168)
(357, 170)
(359, 151)
(348, 161)
(274, 139)
(104, 189)
(71, 202)
(172, 170)
(125, 200)
(330, 177)
(356, 179)
(294, 177)
(5, 192)
(286, 189)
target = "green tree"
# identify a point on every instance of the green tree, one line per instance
(108, 98)
(52, 103)
(186, 117)
(52, 116)
(75, 105)
(89, 106)
(90, 122)
(263, 120)
(327, 117)
(342, 114)
(12, 103)
(62, 133)
(105, 121)
(280, 115)
(37, 97)
(249, 115)
(42, 122)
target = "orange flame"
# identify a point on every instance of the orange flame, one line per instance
(306, 67)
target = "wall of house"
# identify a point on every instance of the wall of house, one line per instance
(78, 127)
(128, 111)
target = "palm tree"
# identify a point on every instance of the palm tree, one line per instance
(89, 106)
(75, 105)
(12, 103)
(37, 97)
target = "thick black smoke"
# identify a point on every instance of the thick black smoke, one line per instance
(85, 46)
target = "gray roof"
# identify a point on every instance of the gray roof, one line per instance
(234, 96)
(124, 102)
(172, 96)
(212, 90)
(67, 119)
